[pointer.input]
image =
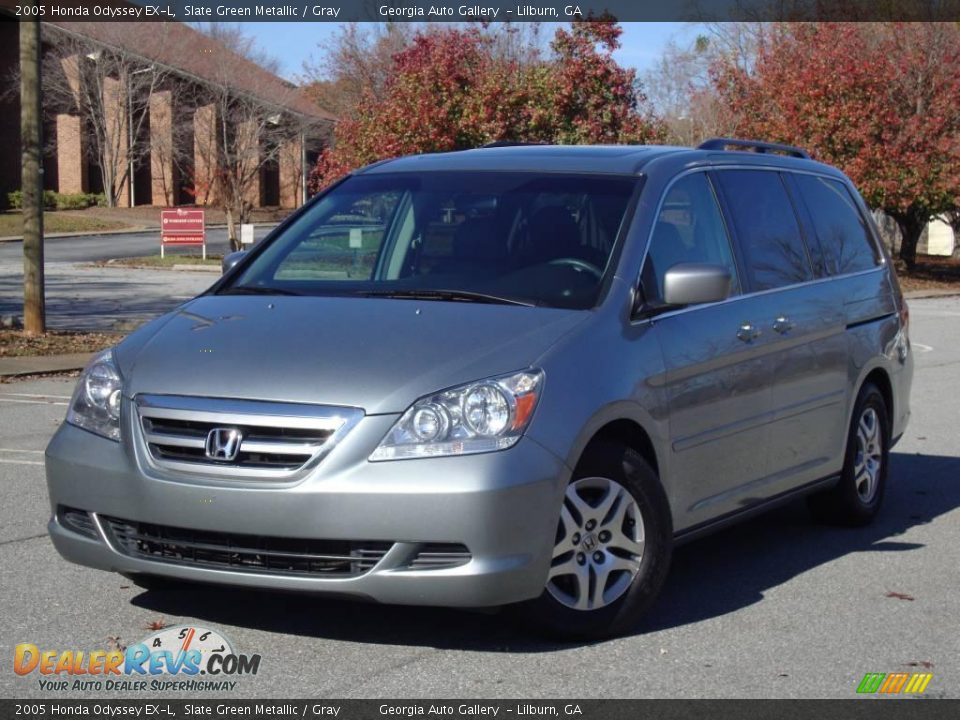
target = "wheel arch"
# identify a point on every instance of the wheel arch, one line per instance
(880, 377)
(626, 432)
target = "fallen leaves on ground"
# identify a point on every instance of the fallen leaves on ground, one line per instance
(158, 624)
(17, 343)
(900, 596)
(931, 272)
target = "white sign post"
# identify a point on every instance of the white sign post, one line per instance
(246, 234)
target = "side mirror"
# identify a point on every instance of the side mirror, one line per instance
(230, 260)
(695, 283)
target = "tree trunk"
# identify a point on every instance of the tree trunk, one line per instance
(911, 223)
(955, 224)
(34, 309)
(231, 227)
(107, 177)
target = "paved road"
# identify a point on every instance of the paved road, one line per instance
(80, 296)
(779, 607)
(87, 248)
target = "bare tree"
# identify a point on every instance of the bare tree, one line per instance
(109, 88)
(357, 60)
(737, 42)
(232, 37)
(680, 89)
(240, 131)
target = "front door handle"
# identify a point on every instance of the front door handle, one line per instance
(782, 325)
(748, 331)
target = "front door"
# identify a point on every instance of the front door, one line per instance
(718, 368)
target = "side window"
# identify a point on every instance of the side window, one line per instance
(344, 245)
(690, 229)
(767, 229)
(843, 235)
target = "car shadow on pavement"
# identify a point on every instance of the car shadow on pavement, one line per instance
(708, 579)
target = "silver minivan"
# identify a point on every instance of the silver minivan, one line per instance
(517, 375)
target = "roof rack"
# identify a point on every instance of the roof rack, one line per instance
(509, 143)
(756, 145)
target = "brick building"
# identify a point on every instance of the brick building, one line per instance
(164, 142)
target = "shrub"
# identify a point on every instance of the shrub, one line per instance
(60, 201)
(74, 201)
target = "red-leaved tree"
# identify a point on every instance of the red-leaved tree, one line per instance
(879, 100)
(450, 90)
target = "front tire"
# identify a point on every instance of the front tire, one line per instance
(856, 499)
(612, 549)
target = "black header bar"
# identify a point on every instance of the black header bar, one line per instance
(447, 709)
(479, 10)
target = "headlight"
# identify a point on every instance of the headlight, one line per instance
(95, 405)
(480, 417)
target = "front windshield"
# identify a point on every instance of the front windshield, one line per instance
(481, 236)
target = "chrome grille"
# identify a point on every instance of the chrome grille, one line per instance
(244, 553)
(275, 440)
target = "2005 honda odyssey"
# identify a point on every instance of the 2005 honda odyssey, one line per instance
(513, 375)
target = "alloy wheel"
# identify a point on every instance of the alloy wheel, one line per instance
(869, 460)
(599, 547)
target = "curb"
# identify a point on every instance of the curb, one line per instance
(178, 268)
(929, 294)
(197, 268)
(132, 230)
(13, 367)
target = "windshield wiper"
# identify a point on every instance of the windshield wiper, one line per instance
(455, 295)
(256, 290)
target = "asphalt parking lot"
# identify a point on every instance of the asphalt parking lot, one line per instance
(84, 296)
(778, 607)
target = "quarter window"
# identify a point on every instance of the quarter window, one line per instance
(767, 229)
(841, 231)
(689, 229)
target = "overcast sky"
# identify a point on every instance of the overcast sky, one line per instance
(293, 43)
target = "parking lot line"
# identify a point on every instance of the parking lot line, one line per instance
(30, 402)
(14, 450)
(34, 395)
(5, 461)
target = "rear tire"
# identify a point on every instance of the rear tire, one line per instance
(856, 499)
(612, 550)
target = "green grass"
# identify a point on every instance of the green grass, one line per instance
(169, 260)
(11, 223)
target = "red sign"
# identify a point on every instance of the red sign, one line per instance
(182, 227)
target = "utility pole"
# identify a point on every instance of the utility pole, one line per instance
(31, 141)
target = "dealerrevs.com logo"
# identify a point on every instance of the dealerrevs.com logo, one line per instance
(184, 658)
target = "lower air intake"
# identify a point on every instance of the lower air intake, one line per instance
(245, 553)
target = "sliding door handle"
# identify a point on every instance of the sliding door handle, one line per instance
(748, 332)
(782, 325)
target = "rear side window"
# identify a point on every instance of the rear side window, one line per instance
(841, 231)
(773, 250)
(690, 229)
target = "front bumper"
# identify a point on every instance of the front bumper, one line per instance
(502, 506)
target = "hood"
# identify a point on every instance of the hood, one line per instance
(373, 353)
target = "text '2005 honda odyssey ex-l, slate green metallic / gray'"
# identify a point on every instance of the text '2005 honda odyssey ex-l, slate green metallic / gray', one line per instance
(517, 375)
